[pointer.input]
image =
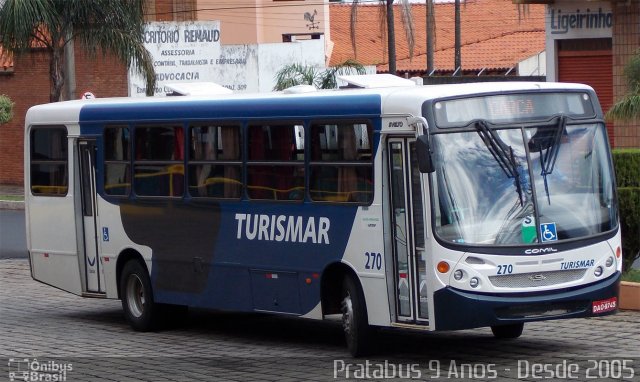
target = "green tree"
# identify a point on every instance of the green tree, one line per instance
(298, 74)
(387, 18)
(105, 26)
(628, 108)
(6, 109)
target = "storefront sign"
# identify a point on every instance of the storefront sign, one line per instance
(590, 20)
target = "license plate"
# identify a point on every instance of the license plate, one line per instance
(603, 306)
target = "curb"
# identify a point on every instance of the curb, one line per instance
(11, 205)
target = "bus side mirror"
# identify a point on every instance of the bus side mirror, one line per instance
(423, 149)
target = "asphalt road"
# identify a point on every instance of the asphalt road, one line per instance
(91, 341)
(13, 240)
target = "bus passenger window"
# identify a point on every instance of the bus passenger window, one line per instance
(49, 167)
(215, 166)
(117, 171)
(275, 169)
(341, 162)
(158, 165)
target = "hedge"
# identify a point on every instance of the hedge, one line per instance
(6, 109)
(627, 167)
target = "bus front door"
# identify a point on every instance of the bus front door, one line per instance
(92, 266)
(408, 230)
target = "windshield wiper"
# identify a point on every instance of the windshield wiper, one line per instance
(502, 153)
(548, 159)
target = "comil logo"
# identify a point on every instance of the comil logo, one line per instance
(30, 370)
(539, 251)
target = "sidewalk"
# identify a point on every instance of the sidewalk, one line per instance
(11, 197)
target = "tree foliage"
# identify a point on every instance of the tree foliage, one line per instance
(6, 109)
(627, 166)
(299, 74)
(98, 26)
(628, 108)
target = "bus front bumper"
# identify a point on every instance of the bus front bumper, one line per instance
(455, 309)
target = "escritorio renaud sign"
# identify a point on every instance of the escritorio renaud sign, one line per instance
(182, 52)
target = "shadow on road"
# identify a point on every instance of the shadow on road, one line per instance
(273, 331)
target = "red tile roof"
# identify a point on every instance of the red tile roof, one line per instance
(496, 35)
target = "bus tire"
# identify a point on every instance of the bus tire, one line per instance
(355, 322)
(136, 294)
(507, 331)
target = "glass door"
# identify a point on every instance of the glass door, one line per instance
(407, 219)
(92, 265)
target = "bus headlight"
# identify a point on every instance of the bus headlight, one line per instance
(598, 271)
(474, 282)
(609, 261)
(458, 275)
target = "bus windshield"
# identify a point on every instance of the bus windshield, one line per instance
(516, 185)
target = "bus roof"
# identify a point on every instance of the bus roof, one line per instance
(368, 102)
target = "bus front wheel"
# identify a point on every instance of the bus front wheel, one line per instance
(139, 307)
(354, 319)
(507, 331)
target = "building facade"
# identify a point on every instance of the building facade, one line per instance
(590, 42)
(25, 78)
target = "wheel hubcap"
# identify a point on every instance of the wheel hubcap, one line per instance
(135, 295)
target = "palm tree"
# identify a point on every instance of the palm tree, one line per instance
(386, 16)
(105, 26)
(628, 108)
(298, 74)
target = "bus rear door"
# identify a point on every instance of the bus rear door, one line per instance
(92, 261)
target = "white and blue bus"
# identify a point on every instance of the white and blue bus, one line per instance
(417, 207)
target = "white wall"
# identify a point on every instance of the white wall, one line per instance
(241, 68)
(535, 65)
(272, 57)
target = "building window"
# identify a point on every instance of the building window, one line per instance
(275, 166)
(117, 157)
(49, 161)
(341, 162)
(215, 166)
(158, 166)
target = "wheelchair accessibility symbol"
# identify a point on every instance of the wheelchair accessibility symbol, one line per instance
(548, 232)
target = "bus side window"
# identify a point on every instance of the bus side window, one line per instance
(49, 161)
(158, 167)
(117, 156)
(215, 167)
(275, 168)
(341, 162)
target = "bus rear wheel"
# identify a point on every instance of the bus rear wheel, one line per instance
(354, 319)
(138, 305)
(507, 331)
